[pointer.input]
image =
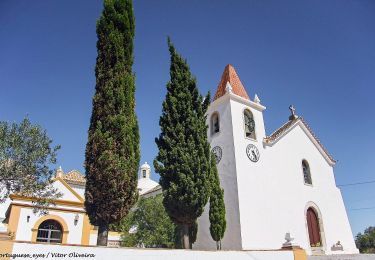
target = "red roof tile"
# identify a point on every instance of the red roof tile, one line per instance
(74, 177)
(230, 75)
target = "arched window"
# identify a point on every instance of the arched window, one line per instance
(313, 228)
(215, 123)
(49, 231)
(249, 124)
(306, 172)
(144, 173)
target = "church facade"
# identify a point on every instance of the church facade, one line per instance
(273, 184)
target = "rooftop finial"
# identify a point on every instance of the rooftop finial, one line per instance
(293, 112)
(59, 172)
(228, 88)
(256, 99)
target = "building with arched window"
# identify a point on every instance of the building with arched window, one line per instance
(66, 221)
(274, 184)
(50, 231)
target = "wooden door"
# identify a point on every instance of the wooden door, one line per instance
(313, 227)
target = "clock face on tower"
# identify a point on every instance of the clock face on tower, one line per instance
(252, 152)
(218, 153)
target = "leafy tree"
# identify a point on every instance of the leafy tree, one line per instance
(217, 207)
(184, 152)
(112, 151)
(26, 155)
(366, 241)
(153, 225)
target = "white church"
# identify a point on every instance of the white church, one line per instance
(273, 184)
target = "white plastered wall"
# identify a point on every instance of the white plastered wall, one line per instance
(228, 180)
(100, 253)
(66, 193)
(79, 189)
(24, 230)
(273, 196)
(271, 193)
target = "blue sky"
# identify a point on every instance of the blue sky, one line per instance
(318, 55)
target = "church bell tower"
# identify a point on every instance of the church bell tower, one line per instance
(236, 131)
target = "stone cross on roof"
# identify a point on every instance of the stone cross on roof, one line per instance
(293, 112)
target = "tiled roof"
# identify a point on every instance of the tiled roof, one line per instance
(290, 123)
(230, 75)
(74, 177)
(155, 189)
(280, 131)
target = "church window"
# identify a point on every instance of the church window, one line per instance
(144, 173)
(249, 124)
(306, 172)
(49, 231)
(215, 123)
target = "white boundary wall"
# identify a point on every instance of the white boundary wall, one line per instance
(144, 254)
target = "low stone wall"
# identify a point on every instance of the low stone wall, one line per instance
(343, 257)
(27, 250)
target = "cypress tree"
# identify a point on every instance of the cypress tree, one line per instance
(183, 160)
(193, 230)
(112, 151)
(217, 207)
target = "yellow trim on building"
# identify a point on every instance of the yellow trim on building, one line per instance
(57, 202)
(299, 254)
(49, 208)
(85, 239)
(6, 247)
(14, 217)
(114, 233)
(62, 222)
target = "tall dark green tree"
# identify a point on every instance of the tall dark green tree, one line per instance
(218, 223)
(112, 151)
(183, 161)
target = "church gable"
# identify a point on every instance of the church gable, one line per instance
(68, 193)
(71, 184)
(288, 126)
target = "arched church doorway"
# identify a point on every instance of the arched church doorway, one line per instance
(50, 231)
(313, 228)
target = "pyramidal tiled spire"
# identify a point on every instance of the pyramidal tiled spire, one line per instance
(230, 75)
